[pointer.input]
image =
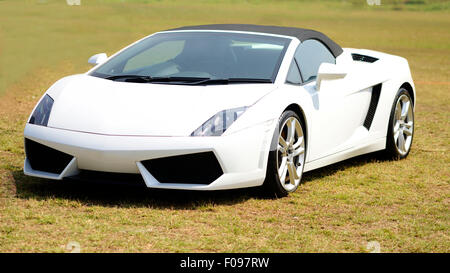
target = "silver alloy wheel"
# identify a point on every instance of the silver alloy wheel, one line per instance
(403, 124)
(290, 154)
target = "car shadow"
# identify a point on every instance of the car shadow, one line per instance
(137, 195)
(124, 195)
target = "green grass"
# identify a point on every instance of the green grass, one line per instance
(404, 205)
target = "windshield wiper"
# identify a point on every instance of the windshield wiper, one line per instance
(130, 78)
(186, 80)
(232, 80)
(146, 79)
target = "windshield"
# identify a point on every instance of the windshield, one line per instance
(199, 55)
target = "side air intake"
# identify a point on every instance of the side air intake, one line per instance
(46, 159)
(376, 91)
(198, 168)
(364, 58)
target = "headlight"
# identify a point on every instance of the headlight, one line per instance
(217, 124)
(42, 112)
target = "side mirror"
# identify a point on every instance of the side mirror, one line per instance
(327, 72)
(98, 59)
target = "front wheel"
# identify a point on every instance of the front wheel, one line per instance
(401, 126)
(287, 158)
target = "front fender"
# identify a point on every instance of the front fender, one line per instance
(269, 108)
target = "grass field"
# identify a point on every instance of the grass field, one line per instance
(403, 205)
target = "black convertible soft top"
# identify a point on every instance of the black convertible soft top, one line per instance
(301, 33)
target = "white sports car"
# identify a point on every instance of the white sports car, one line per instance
(222, 106)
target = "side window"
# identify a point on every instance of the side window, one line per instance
(309, 55)
(294, 74)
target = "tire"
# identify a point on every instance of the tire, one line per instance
(401, 127)
(289, 151)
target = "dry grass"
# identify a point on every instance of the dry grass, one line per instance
(404, 205)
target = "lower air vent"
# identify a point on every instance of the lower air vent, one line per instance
(363, 58)
(46, 159)
(376, 90)
(198, 168)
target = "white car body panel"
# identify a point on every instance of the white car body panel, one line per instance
(113, 126)
(118, 108)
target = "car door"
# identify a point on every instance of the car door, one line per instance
(338, 112)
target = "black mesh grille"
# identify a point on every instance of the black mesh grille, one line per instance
(363, 58)
(46, 159)
(376, 90)
(198, 168)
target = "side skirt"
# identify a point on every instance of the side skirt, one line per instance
(377, 145)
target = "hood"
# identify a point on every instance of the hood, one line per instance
(94, 105)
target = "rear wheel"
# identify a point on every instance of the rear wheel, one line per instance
(287, 160)
(401, 126)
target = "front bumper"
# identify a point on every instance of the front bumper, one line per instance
(242, 155)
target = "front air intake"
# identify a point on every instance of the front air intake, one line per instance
(363, 58)
(45, 159)
(198, 168)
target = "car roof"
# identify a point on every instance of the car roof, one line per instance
(301, 33)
